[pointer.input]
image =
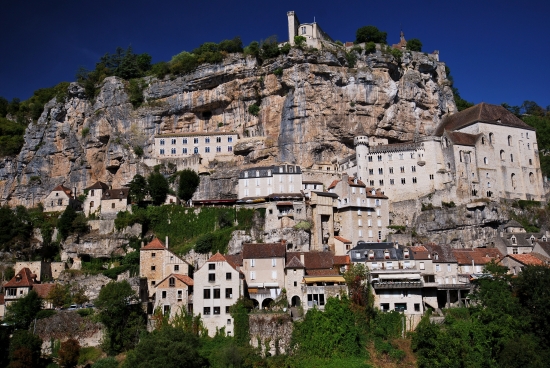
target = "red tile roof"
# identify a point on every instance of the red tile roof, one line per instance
(352, 183)
(322, 272)
(99, 185)
(480, 256)
(218, 257)
(342, 239)
(269, 250)
(378, 193)
(341, 260)
(235, 260)
(43, 289)
(333, 184)
(527, 259)
(61, 188)
(24, 278)
(155, 244)
(484, 113)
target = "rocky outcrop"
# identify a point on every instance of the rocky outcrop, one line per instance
(309, 110)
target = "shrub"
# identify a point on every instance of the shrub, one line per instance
(278, 72)
(370, 47)
(109, 362)
(135, 92)
(85, 312)
(85, 131)
(69, 353)
(414, 44)
(450, 204)
(299, 41)
(138, 151)
(397, 54)
(89, 354)
(45, 313)
(254, 109)
(370, 34)
(351, 59)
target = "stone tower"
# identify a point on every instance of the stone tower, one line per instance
(293, 25)
(361, 143)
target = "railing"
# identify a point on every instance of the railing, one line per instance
(454, 286)
(397, 285)
(323, 289)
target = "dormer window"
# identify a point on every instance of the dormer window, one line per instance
(386, 254)
(513, 239)
(436, 256)
(406, 253)
(371, 255)
(532, 239)
(257, 173)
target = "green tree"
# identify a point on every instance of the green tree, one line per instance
(109, 362)
(370, 34)
(138, 189)
(65, 223)
(69, 352)
(299, 41)
(239, 311)
(414, 44)
(167, 347)
(59, 295)
(158, 187)
(188, 182)
(24, 349)
(23, 311)
(120, 312)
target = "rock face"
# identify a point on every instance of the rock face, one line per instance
(309, 110)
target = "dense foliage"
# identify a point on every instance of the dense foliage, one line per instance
(22, 312)
(414, 44)
(507, 327)
(370, 34)
(187, 185)
(121, 313)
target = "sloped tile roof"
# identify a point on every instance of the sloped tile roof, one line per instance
(378, 193)
(341, 260)
(236, 260)
(463, 139)
(155, 244)
(61, 188)
(545, 246)
(352, 183)
(268, 250)
(420, 252)
(342, 239)
(121, 193)
(183, 278)
(218, 257)
(99, 185)
(484, 113)
(314, 260)
(322, 272)
(295, 263)
(25, 277)
(527, 259)
(444, 253)
(480, 256)
(333, 184)
(43, 289)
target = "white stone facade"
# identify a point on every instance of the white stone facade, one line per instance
(184, 145)
(267, 180)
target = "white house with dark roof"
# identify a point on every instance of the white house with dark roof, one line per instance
(94, 194)
(217, 286)
(59, 198)
(208, 145)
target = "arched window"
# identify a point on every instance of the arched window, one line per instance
(513, 177)
(531, 178)
(485, 161)
(460, 153)
(482, 140)
(448, 165)
(509, 140)
(502, 154)
(490, 138)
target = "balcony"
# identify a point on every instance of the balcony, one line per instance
(458, 286)
(289, 213)
(397, 284)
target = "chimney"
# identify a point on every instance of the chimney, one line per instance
(142, 244)
(166, 241)
(302, 259)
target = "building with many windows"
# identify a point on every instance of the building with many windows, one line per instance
(182, 145)
(266, 180)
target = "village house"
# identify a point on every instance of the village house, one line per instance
(174, 294)
(263, 268)
(395, 277)
(94, 193)
(59, 198)
(260, 182)
(209, 145)
(156, 262)
(516, 262)
(473, 261)
(362, 212)
(312, 32)
(322, 205)
(513, 239)
(21, 284)
(114, 201)
(218, 285)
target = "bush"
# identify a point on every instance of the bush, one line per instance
(450, 204)
(299, 41)
(370, 47)
(135, 92)
(69, 353)
(85, 131)
(109, 362)
(89, 354)
(45, 313)
(351, 59)
(370, 34)
(254, 109)
(138, 151)
(278, 72)
(414, 44)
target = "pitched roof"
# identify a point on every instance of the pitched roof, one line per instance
(99, 185)
(121, 193)
(480, 256)
(484, 113)
(322, 272)
(444, 252)
(155, 244)
(314, 260)
(420, 252)
(61, 188)
(527, 259)
(352, 182)
(377, 193)
(342, 239)
(333, 184)
(512, 223)
(236, 260)
(43, 289)
(545, 246)
(218, 257)
(268, 250)
(295, 263)
(463, 139)
(24, 278)
(341, 260)
(183, 278)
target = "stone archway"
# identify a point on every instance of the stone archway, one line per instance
(266, 303)
(295, 301)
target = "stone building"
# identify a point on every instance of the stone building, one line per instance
(217, 286)
(315, 36)
(516, 262)
(21, 284)
(484, 151)
(362, 212)
(156, 262)
(513, 239)
(208, 145)
(473, 261)
(322, 214)
(94, 193)
(264, 270)
(115, 200)
(266, 180)
(59, 198)
(174, 294)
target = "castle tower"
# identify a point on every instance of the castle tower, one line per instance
(293, 25)
(361, 143)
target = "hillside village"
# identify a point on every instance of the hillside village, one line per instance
(319, 220)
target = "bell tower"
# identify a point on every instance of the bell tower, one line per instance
(361, 143)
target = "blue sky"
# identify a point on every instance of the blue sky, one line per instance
(498, 51)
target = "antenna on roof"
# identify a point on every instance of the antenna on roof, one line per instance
(313, 19)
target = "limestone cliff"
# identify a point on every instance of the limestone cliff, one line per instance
(311, 103)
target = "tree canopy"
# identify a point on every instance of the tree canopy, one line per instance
(188, 182)
(414, 44)
(138, 189)
(22, 312)
(370, 34)
(158, 187)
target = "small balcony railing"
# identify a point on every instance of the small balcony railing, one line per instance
(397, 284)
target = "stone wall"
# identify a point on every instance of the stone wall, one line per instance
(269, 330)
